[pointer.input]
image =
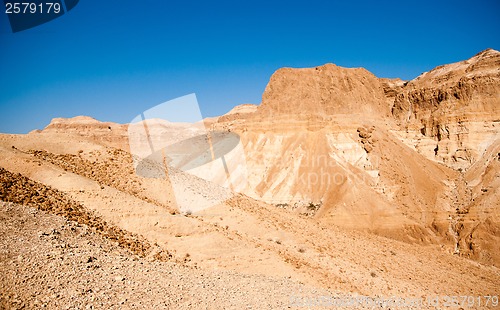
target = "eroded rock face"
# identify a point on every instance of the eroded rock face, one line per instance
(457, 106)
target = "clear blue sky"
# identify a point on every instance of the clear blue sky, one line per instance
(112, 59)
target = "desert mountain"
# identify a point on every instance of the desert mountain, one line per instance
(408, 160)
(353, 184)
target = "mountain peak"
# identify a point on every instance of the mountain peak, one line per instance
(324, 90)
(487, 52)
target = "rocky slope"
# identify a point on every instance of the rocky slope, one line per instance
(257, 240)
(50, 262)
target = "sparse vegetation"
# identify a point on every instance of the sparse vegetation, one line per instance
(282, 205)
(313, 207)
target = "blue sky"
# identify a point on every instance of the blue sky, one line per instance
(114, 59)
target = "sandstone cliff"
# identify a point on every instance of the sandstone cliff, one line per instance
(452, 113)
